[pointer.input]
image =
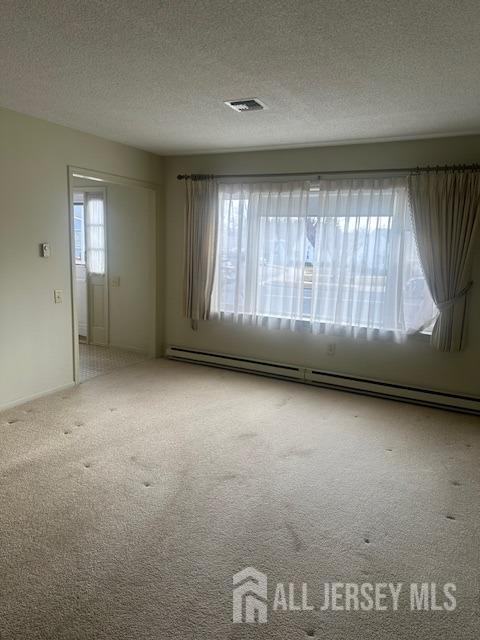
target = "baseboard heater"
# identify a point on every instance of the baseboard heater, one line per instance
(365, 386)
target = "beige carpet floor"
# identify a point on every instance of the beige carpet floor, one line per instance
(127, 504)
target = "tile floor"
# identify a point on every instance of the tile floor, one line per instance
(96, 360)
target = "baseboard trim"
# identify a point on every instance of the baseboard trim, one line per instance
(35, 396)
(329, 379)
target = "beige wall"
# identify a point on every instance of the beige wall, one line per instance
(413, 363)
(131, 259)
(35, 333)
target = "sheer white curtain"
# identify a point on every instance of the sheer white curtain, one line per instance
(333, 256)
(261, 253)
(95, 231)
(367, 277)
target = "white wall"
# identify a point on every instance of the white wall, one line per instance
(35, 334)
(414, 363)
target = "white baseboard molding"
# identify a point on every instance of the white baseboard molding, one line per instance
(342, 382)
(35, 396)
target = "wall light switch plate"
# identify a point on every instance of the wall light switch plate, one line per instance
(58, 296)
(45, 251)
(116, 281)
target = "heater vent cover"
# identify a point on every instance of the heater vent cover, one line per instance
(247, 104)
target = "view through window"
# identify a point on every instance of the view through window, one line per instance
(343, 254)
(79, 229)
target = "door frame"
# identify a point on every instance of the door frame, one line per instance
(104, 179)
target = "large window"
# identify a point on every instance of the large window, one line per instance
(335, 255)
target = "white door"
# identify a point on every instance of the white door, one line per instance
(96, 259)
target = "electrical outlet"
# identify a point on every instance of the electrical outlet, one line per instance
(331, 348)
(58, 296)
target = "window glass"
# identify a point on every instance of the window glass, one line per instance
(341, 254)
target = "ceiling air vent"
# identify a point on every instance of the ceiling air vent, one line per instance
(248, 104)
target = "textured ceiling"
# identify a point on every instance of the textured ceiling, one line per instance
(155, 74)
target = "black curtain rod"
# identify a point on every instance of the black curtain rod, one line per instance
(453, 167)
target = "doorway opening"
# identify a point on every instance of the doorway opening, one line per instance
(113, 274)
